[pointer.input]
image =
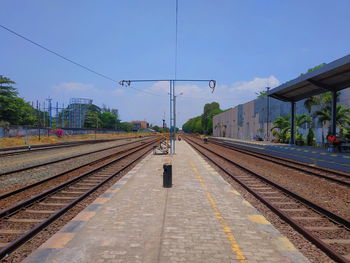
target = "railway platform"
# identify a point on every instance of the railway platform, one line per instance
(308, 154)
(200, 219)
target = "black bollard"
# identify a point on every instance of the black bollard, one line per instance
(167, 175)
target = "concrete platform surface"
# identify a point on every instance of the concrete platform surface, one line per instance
(307, 154)
(200, 219)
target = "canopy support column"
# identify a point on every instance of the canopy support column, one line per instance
(292, 124)
(334, 113)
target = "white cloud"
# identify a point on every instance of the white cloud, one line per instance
(255, 85)
(74, 87)
(118, 92)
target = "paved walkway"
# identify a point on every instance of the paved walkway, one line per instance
(200, 219)
(308, 154)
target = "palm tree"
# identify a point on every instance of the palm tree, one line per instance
(310, 102)
(300, 120)
(323, 100)
(324, 116)
(281, 126)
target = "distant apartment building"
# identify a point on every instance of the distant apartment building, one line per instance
(140, 125)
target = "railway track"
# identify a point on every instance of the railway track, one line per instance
(44, 147)
(328, 231)
(24, 220)
(73, 170)
(328, 174)
(64, 159)
(4, 152)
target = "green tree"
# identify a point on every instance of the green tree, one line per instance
(193, 125)
(14, 109)
(92, 120)
(126, 126)
(261, 94)
(108, 120)
(207, 116)
(210, 109)
(6, 88)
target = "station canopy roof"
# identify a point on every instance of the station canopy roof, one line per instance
(334, 76)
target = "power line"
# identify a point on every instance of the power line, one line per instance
(55, 53)
(71, 61)
(176, 28)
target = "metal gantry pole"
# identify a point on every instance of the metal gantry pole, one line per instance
(292, 124)
(171, 115)
(267, 113)
(172, 99)
(334, 113)
(174, 118)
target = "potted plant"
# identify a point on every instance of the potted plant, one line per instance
(299, 139)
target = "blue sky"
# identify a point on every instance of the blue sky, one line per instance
(244, 45)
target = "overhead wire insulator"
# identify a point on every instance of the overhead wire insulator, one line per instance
(212, 85)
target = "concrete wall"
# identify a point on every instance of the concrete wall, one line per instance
(250, 119)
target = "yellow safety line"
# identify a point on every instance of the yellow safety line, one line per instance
(227, 230)
(249, 145)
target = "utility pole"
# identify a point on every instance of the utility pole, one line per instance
(164, 121)
(50, 112)
(57, 115)
(44, 115)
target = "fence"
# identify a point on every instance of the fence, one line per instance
(15, 131)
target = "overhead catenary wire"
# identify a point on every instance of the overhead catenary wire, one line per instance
(72, 61)
(176, 29)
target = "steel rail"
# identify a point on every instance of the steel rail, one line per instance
(278, 161)
(29, 234)
(17, 191)
(318, 242)
(60, 160)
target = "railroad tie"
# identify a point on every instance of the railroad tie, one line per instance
(306, 218)
(24, 220)
(322, 228)
(39, 211)
(338, 241)
(79, 188)
(293, 209)
(75, 192)
(11, 231)
(52, 204)
(284, 203)
(63, 197)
